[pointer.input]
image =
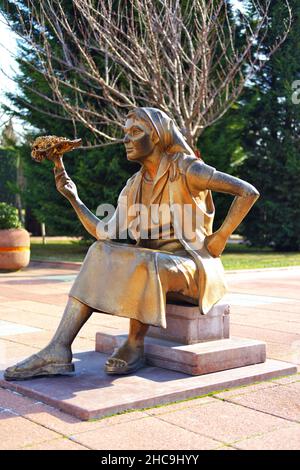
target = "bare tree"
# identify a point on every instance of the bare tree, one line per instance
(190, 58)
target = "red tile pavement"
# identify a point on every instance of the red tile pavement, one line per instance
(283, 439)
(18, 432)
(148, 433)
(284, 405)
(56, 444)
(262, 416)
(224, 421)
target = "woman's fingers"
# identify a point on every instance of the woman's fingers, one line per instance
(62, 179)
(64, 184)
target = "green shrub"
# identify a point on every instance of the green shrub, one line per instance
(9, 217)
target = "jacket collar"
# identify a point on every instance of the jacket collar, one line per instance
(160, 178)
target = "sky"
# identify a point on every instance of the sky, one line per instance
(8, 66)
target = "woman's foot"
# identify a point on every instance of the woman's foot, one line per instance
(126, 359)
(55, 359)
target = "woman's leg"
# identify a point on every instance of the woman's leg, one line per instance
(130, 356)
(177, 274)
(56, 357)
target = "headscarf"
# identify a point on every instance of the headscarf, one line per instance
(170, 137)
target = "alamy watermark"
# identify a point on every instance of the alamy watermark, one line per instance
(156, 221)
(296, 92)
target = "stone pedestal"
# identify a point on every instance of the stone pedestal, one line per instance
(175, 371)
(193, 359)
(186, 325)
(91, 394)
(192, 343)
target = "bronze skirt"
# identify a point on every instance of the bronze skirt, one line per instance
(135, 282)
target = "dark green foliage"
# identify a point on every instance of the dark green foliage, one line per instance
(8, 174)
(8, 217)
(271, 142)
(257, 140)
(99, 173)
(220, 147)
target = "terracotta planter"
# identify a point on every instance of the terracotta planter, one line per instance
(14, 249)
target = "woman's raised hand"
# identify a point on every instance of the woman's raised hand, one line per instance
(64, 184)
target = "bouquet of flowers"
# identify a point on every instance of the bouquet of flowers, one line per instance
(50, 147)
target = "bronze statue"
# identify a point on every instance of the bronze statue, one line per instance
(135, 280)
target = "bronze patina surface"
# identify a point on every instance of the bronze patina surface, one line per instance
(136, 279)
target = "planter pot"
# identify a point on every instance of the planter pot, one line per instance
(14, 249)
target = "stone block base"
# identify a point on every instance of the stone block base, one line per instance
(194, 359)
(186, 325)
(92, 394)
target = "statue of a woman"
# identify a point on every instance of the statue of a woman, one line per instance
(175, 257)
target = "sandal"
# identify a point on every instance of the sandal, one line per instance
(116, 366)
(44, 369)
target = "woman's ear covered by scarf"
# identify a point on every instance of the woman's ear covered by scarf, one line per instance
(171, 139)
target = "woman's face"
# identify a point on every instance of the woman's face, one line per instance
(139, 139)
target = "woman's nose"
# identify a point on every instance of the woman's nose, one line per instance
(126, 139)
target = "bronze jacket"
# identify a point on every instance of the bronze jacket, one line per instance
(191, 216)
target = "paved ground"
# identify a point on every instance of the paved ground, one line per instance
(265, 305)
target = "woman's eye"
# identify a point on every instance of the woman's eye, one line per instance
(136, 131)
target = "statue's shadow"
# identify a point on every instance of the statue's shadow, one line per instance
(91, 389)
(89, 367)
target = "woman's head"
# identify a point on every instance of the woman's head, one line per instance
(140, 138)
(147, 129)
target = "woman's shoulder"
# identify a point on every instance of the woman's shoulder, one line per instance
(196, 172)
(184, 160)
(192, 164)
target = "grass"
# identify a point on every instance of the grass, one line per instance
(234, 257)
(58, 251)
(242, 257)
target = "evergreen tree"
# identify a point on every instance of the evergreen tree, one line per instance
(220, 146)
(99, 173)
(271, 143)
(266, 113)
(11, 170)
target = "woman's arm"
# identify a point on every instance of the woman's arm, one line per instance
(201, 177)
(68, 188)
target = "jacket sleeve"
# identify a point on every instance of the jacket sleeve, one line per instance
(198, 175)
